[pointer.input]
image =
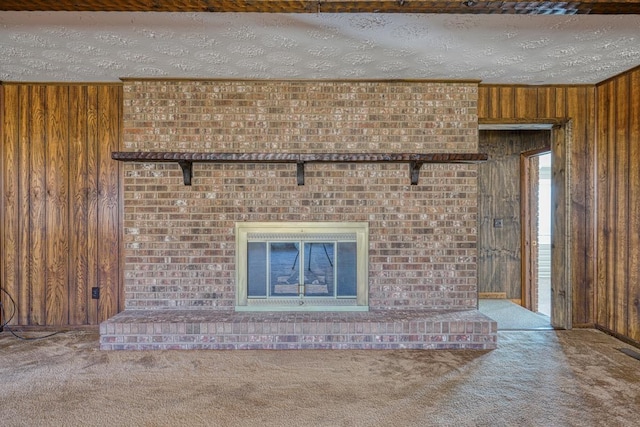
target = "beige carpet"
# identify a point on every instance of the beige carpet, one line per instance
(534, 378)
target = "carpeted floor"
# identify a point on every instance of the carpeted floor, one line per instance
(513, 317)
(534, 378)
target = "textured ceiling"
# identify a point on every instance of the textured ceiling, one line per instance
(509, 49)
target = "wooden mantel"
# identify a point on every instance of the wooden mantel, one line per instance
(186, 160)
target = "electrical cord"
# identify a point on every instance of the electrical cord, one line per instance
(5, 325)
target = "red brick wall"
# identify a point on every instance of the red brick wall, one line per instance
(179, 240)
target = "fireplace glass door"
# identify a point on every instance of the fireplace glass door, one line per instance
(301, 270)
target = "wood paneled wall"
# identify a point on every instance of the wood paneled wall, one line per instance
(61, 208)
(61, 202)
(618, 214)
(519, 103)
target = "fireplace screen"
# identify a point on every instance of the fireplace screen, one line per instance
(310, 266)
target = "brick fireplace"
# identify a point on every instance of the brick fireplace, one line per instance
(180, 243)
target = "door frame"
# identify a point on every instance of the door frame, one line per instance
(561, 257)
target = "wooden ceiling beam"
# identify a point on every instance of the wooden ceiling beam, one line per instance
(603, 7)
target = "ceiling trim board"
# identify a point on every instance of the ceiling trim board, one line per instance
(553, 7)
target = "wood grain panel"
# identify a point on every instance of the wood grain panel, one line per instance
(10, 187)
(622, 204)
(37, 200)
(109, 99)
(57, 204)
(584, 296)
(605, 114)
(92, 199)
(484, 99)
(57, 242)
(633, 304)
(561, 105)
(78, 178)
(546, 102)
(562, 228)
(488, 101)
(507, 102)
(526, 101)
(579, 103)
(611, 212)
(23, 208)
(618, 205)
(498, 264)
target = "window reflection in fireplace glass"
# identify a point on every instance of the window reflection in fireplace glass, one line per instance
(347, 267)
(285, 268)
(302, 269)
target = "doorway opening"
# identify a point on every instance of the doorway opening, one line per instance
(508, 217)
(543, 239)
(536, 212)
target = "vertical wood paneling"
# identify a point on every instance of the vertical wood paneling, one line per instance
(494, 102)
(10, 221)
(561, 105)
(579, 103)
(546, 103)
(560, 269)
(37, 211)
(622, 204)
(78, 178)
(618, 205)
(483, 101)
(23, 201)
(612, 212)
(92, 198)
(633, 303)
(57, 204)
(108, 195)
(604, 222)
(121, 266)
(584, 296)
(507, 102)
(526, 101)
(57, 240)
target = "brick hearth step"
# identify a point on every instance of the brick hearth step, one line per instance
(226, 330)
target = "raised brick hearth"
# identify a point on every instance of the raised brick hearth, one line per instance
(219, 330)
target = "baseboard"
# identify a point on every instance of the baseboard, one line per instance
(50, 328)
(622, 338)
(584, 326)
(492, 295)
